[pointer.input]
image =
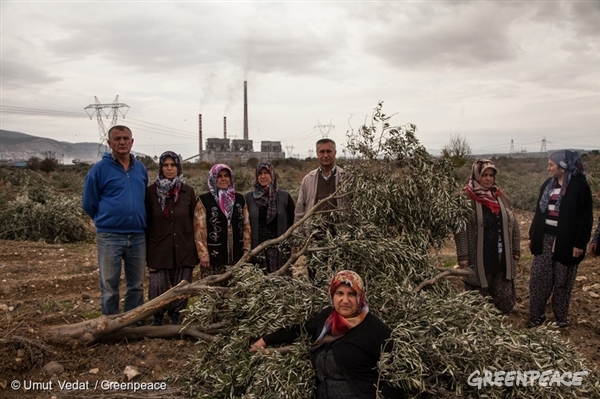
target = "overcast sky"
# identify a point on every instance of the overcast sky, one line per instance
(491, 71)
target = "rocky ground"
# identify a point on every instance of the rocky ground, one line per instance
(43, 285)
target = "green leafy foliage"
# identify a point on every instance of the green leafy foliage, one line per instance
(39, 213)
(402, 203)
(457, 151)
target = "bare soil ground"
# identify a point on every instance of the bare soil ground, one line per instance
(43, 285)
(584, 312)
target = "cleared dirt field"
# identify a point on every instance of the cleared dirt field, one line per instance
(43, 285)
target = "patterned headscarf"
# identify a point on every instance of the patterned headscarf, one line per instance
(266, 197)
(225, 198)
(572, 164)
(486, 197)
(336, 325)
(168, 188)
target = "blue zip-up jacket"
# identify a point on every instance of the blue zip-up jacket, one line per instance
(114, 197)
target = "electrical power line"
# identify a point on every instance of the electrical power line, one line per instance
(8, 109)
(98, 109)
(143, 125)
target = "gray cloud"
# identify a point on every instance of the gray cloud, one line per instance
(446, 66)
(587, 15)
(199, 34)
(457, 35)
(17, 73)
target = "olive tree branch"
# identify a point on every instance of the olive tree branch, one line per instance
(446, 272)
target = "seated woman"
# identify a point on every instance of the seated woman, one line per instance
(271, 214)
(347, 343)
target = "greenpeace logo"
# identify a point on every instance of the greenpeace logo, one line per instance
(546, 378)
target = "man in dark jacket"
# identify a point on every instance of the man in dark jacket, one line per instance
(113, 196)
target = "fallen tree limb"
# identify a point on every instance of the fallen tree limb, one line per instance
(293, 258)
(105, 325)
(269, 351)
(288, 233)
(168, 331)
(446, 272)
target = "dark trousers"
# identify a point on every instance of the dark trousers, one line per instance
(549, 277)
(500, 291)
(162, 280)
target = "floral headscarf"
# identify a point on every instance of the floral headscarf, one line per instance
(266, 197)
(168, 188)
(337, 325)
(487, 197)
(571, 163)
(225, 198)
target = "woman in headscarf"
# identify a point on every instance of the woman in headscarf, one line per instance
(170, 250)
(271, 214)
(347, 343)
(490, 245)
(221, 224)
(558, 236)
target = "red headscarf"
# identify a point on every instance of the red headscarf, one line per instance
(336, 325)
(486, 197)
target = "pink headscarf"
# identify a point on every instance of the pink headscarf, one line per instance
(224, 197)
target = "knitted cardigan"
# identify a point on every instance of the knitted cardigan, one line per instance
(469, 242)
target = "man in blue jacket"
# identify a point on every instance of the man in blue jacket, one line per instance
(113, 196)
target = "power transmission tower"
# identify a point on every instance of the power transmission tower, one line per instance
(289, 149)
(98, 109)
(324, 129)
(512, 148)
(543, 149)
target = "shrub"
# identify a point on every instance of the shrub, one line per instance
(48, 165)
(60, 219)
(204, 165)
(33, 163)
(252, 162)
(243, 179)
(457, 151)
(37, 212)
(68, 181)
(197, 181)
(522, 189)
(148, 162)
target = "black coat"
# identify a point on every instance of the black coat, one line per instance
(170, 242)
(284, 219)
(217, 234)
(356, 353)
(575, 219)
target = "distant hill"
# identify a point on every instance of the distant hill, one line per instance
(18, 147)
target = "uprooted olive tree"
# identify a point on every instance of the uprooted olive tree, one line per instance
(397, 205)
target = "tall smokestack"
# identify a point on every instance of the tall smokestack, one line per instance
(245, 110)
(199, 133)
(224, 127)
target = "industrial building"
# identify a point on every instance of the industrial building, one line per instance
(236, 150)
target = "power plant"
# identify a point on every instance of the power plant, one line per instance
(226, 150)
